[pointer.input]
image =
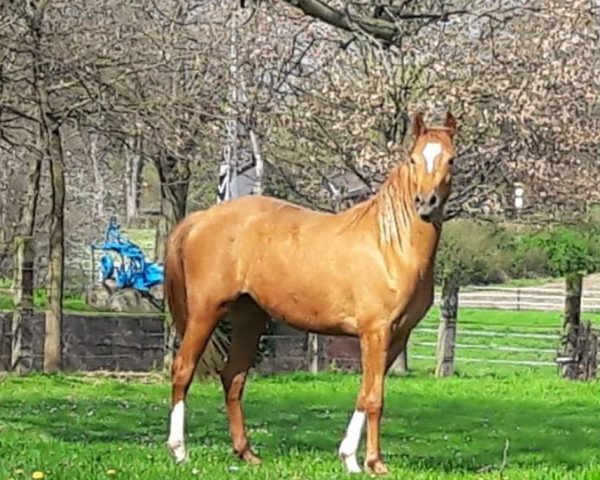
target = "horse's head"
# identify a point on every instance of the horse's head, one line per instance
(431, 158)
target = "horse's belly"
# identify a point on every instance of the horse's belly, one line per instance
(306, 310)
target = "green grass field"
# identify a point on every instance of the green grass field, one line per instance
(74, 427)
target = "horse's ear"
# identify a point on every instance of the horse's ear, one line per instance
(450, 124)
(418, 125)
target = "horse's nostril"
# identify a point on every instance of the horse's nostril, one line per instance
(433, 200)
(418, 200)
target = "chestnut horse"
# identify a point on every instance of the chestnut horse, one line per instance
(365, 272)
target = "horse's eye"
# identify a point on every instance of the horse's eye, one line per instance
(451, 161)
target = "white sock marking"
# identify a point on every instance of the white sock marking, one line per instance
(430, 153)
(176, 433)
(349, 444)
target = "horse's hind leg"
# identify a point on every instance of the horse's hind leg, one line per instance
(198, 331)
(248, 322)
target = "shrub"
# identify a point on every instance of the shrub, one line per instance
(469, 251)
(481, 253)
(528, 260)
(566, 250)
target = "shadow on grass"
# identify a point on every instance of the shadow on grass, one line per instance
(420, 429)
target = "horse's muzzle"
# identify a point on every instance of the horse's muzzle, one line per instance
(426, 205)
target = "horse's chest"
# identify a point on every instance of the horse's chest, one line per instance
(416, 307)
(421, 300)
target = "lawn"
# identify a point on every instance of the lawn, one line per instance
(75, 427)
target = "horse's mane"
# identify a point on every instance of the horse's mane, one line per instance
(390, 207)
(394, 206)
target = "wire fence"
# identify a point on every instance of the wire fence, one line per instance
(525, 298)
(494, 344)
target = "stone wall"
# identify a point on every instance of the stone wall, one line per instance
(96, 342)
(343, 353)
(284, 350)
(120, 342)
(113, 342)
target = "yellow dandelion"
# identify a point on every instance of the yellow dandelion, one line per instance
(37, 475)
(111, 471)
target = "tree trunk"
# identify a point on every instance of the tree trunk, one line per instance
(49, 139)
(21, 349)
(90, 146)
(572, 323)
(4, 175)
(3, 204)
(29, 213)
(169, 217)
(133, 177)
(175, 177)
(53, 335)
(447, 329)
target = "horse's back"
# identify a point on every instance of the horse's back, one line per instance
(248, 214)
(223, 240)
(251, 206)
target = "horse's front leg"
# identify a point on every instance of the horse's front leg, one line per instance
(369, 406)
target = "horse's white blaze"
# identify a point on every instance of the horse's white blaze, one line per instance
(430, 153)
(176, 433)
(349, 444)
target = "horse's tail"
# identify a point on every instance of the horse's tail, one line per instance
(175, 290)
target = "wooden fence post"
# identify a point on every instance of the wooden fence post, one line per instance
(447, 330)
(572, 324)
(588, 354)
(21, 359)
(313, 353)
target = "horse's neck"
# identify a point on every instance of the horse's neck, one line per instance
(401, 231)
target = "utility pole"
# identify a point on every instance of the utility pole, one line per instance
(241, 168)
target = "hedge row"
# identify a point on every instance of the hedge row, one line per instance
(484, 253)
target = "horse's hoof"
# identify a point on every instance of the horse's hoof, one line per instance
(250, 458)
(350, 463)
(177, 450)
(376, 467)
